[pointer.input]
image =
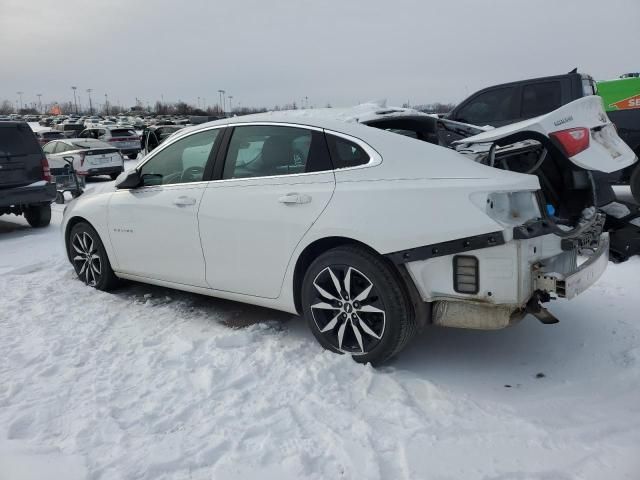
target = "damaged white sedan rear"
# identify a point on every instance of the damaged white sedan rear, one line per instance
(368, 234)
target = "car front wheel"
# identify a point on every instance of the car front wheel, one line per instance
(89, 258)
(355, 304)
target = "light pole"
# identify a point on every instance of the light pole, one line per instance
(221, 92)
(39, 102)
(89, 90)
(106, 103)
(230, 103)
(20, 94)
(75, 102)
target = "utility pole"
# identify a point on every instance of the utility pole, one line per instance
(20, 94)
(89, 90)
(74, 98)
(39, 102)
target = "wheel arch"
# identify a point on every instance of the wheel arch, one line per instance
(322, 245)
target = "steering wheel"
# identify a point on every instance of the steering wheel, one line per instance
(192, 174)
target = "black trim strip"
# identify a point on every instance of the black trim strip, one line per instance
(442, 249)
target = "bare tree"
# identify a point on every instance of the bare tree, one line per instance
(6, 107)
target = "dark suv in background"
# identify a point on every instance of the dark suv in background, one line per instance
(25, 178)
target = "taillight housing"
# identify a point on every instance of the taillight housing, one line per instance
(573, 140)
(46, 171)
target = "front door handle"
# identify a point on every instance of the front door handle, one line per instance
(184, 201)
(294, 198)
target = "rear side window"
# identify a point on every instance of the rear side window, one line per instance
(345, 154)
(497, 105)
(540, 98)
(18, 140)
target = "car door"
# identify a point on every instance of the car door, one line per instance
(275, 183)
(154, 228)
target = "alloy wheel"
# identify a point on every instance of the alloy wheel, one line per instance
(348, 310)
(86, 258)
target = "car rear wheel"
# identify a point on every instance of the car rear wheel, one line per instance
(132, 156)
(355, 304)
(634, 183)
(89, 258)
(114, 175)
(38, 216)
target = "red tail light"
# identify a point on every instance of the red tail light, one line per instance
(46, 171)
(572, 141)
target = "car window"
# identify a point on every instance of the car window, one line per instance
(60, 147)
(181, 162)
(122, 132)
(266, 150)
(540, 98)
(493, 106)
(18, 140)
(345, 154)
(49, 147)
(101, 133)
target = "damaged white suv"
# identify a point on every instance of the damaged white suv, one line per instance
(367, 233)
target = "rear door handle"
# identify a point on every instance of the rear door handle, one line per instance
(295, 198)
(184, 201)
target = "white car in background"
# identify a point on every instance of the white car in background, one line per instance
(88, 156)
(366, 233)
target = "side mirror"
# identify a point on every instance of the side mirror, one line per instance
(128, 179)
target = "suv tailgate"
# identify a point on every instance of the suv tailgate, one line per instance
(20, 155)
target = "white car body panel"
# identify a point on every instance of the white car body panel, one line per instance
(154, 231)
(607, 152)
(251, 226)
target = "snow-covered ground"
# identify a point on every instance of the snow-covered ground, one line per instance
(151, 383)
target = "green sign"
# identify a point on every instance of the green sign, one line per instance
(620, 94)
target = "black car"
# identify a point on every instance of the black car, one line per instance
(155, 135)
(25, 178)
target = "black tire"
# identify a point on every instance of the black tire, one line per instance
(114, 175)
(38, 216)
(132, 156)
(86, 250)
(360, 321)
(634, 183)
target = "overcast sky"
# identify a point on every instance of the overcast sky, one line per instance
(267, 52)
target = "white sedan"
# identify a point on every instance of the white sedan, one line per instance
(366, 233)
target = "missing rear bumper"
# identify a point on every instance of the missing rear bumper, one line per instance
(569, 285)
